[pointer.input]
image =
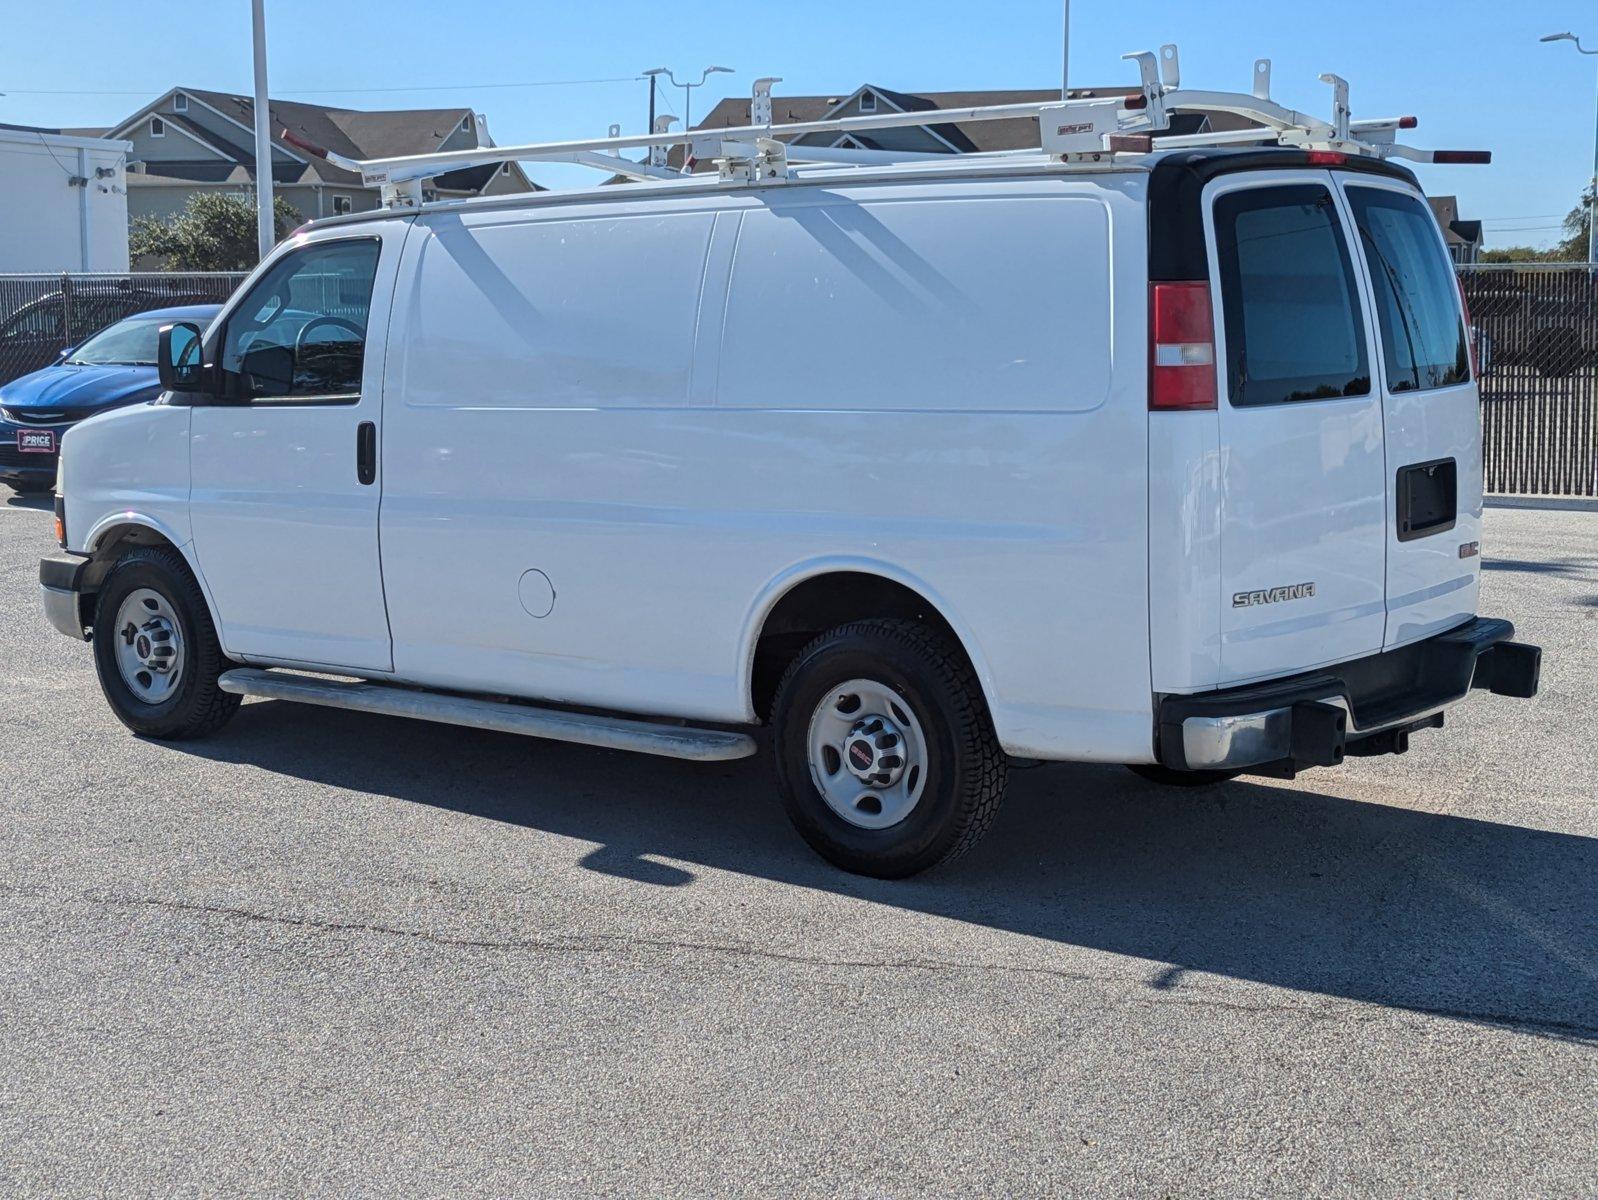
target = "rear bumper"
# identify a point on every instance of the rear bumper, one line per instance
(60, 589)
(1368, 706)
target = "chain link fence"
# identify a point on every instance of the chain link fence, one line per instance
(1536, 329)
(1537, 343)
(40, 315)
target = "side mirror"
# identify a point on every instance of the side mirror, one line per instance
(65, 350)
(179, 358)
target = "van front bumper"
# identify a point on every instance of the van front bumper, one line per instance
(1368, 706)
(60, 589)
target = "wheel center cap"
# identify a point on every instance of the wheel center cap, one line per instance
(142, 646)
(874, 752)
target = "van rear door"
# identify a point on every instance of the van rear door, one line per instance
(1430, 410)
(1303, 474)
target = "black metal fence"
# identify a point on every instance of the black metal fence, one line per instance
(42, 314)
(1537, 330)
(1537, 338)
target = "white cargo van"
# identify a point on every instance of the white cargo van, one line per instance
(1157, 453)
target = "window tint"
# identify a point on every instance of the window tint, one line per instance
(1417, 300)
(301, 332)
(1294, 329)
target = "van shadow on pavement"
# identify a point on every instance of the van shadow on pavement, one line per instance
(1422, 911)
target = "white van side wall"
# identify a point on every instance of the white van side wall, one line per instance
(616, 432)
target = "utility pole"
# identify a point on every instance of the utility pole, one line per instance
(266, 230)
(1065, 54)
(687, 91)
(1592, 182)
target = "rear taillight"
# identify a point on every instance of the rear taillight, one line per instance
(1471, 335)
(1181, 347)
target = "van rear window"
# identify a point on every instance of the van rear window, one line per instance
(1417, 300)
(1294, 327)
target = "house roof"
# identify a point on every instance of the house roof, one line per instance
(351, 132)
(1455, 231)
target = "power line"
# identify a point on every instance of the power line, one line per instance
(438, 87)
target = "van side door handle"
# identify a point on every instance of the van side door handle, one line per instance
(366, 452)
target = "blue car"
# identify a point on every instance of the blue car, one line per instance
(112, 369)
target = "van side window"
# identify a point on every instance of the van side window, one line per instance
(1294, 326)
(300, 334)
(1417, 300)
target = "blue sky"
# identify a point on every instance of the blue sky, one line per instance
(1472, 71)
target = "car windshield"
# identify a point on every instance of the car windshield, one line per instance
(134, 342)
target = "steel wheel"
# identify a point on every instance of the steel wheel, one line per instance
(149, 645)
(868, 754)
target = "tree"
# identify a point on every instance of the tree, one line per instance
(1572, 249)
(214, 232)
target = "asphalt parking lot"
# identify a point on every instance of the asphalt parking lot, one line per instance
(325, 953)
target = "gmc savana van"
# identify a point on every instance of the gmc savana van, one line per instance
(1147, 453)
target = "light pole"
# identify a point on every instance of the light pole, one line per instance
(687, 92)
(1065, 55)
(265, 227)
(1592, 195)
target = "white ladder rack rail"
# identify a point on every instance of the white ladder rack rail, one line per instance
(1088, 129)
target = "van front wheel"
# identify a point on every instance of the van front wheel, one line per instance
(886, 757)
(155, 649)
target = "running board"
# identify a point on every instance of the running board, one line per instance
(614, 733)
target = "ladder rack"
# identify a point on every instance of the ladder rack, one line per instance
(1088, 129)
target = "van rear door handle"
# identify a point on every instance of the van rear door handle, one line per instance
(366, 452)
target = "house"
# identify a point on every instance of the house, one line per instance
(970, 138)
(1463, 238)
(192, 140)
(63, 201)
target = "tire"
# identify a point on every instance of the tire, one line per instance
(1171, 777)
(951, 773)
(155, 583)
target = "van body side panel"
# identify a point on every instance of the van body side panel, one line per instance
(1185, 550)
(910, 379)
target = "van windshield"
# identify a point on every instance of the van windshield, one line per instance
(1417, 300)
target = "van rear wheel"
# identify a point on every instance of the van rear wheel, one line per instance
(886, 757)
